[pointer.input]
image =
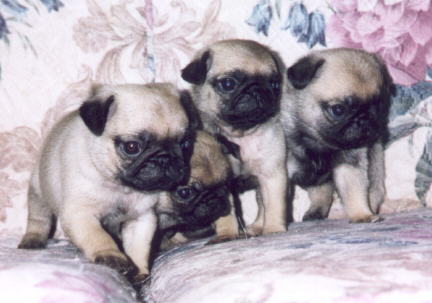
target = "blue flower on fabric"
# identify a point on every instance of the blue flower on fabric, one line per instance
(261, 17)
(297, 20)
(309, 28)
(3, 28)
(52, 5)
(14, 8)
(423, 180)
(315, 32)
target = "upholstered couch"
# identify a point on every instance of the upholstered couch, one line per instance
(50, 53)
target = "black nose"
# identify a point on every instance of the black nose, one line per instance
(163, 159)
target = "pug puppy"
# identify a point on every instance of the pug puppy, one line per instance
(236, 86)
(205, 205)
(112, 157)
(334, 114)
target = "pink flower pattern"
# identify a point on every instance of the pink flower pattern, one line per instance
(400, 31)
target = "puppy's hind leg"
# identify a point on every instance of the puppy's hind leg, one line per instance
(321, 199)
(39, 223)
(376, 173)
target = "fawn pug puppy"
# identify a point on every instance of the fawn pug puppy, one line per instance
(114, 155)
(236, 87)
(335, 118)
(205, 205)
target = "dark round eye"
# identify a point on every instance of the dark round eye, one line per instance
(275, 85)
(227, 84)
(338, 110)
(132, 148)
(186, 193)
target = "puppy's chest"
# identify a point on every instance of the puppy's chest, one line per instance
(130, 206)
(253, 151)
(311, 169)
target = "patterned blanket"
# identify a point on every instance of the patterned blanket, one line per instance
(322, 261)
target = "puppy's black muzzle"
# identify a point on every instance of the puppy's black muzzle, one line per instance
(254, 105)
(361, 129)
(206, 207)
(161, 171)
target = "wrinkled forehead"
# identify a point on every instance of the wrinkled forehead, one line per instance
(342, 77)
(155, 112)
(230, 57)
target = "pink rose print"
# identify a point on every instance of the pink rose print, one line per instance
(399, 31)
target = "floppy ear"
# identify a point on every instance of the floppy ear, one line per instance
(95, 113)
(303, 71)
(191, 110)
(196, 71)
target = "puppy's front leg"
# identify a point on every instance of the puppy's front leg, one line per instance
(321, 199)
(274, 193)
(376, 172)
(137, 238)
(257, 227)
(81, 224)
(227, 226)
(352, 185)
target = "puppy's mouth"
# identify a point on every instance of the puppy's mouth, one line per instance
(252, 106)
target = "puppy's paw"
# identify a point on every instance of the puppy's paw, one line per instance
(221, 239)
(118, 262)
(254, 230)
(272, 229)
(139, 280)
(367, 219)
(313, 215)
(32, 241)
(141, 284)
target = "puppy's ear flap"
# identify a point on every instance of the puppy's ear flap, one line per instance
(95, 114)
(303, 71)
(191, 110)
(196, 71)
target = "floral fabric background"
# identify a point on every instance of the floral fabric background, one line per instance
(52, 50)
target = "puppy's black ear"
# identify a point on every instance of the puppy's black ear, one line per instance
(303, 71)
(191, 110)
(196, 71)
(95, 113)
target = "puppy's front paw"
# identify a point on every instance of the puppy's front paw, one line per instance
(139, 281)
(367, 219)
(271, 229)
(32, 241)
(220, 239)
(141, 284)
(313, 215)
(117, 262)
(254, 230)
